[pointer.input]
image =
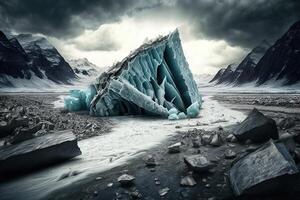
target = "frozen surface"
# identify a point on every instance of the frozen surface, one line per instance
(35, 84)
(132, 136)
(151, 81)
(269, 87)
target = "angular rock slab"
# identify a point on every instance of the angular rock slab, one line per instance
(268, 169)
(198, 163)
(257, 128)
(38, 152)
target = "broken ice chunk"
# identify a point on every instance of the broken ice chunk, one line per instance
(182, 115)
(193, 110)
(173, 117)
(173, 111)
(153, 80)
(72, 103)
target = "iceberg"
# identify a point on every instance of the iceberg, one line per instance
(155, 79)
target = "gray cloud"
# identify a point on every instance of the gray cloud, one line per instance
(61, 18)
(240, 22)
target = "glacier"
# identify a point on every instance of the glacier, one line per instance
(155, 79)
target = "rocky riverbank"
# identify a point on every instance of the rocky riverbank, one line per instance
(164, 172)
(34, 114)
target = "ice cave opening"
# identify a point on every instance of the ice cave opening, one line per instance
(153, 80)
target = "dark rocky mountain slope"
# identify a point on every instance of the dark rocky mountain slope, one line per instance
(277, 63)
(23, 56)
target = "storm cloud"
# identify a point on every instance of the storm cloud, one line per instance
(240, 22)
(61, 18)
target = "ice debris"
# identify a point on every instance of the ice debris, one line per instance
(153, 80)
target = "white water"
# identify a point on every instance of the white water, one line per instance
(131, 137)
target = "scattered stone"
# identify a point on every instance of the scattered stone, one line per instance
(18, 122)
(177, 126)
(157, 181)
(21, 135)
(184, 193)
(196, 142)
(110, 184)
(231, 138)
(230, 154)
(207, 185)
(256, 127)
(188, 181)
(270, 168)
(175, 148)
(4, 129)
(99, 178)
(135, 195)
(288, 140)
(297, 155)
(251, 148)
(162, 192)
(126, 179)
(150, 161)
(286, 123)
(198, 163)
(44, 150)
(206, 139)
(95, 193)
(216, 140)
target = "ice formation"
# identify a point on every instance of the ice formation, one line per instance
(153, 80)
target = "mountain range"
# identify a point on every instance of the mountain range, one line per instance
(279, 62)
(25, 56)
(83, 66)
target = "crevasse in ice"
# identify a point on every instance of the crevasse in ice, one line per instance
(153, 80)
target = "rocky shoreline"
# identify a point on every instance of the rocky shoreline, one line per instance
(192, 164)
(36, 113)
(163, 172)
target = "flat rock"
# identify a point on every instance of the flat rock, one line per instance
(150, 161)
(38, 152)
(126, 179)
(188, 181)
(162, 192)
(21, 135)
(231, 138)
(206, 139)
(267, 170)
(216, 140)
(174, 148)
(257, 128)
(4, 129)
(198, 163)
(229, 154)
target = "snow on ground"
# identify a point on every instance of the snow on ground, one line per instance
(35, 84)
(270, 87)
(131, 136)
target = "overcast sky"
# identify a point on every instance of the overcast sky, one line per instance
(214, 33)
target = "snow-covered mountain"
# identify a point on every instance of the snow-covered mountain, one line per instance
(27, 57)
(83, 66)
(282, 60)
(273, 64)
(240, 73)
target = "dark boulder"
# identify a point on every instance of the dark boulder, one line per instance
(269, 169)
(257, 128)
(286, 123)
(38, 152)
(198, 163)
